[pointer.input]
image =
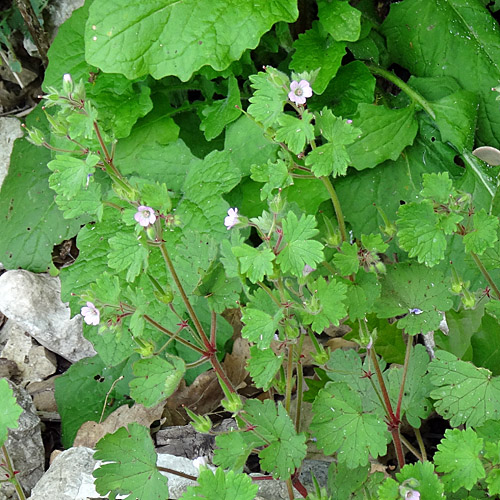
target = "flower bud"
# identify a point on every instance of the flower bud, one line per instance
(35, 136)
(200, 423)
(67, 84)
(468, 299)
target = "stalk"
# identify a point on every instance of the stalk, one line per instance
(336, 206)
(485, 273)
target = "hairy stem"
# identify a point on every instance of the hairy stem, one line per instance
(409, 344)
(486, 274)
(336, 206)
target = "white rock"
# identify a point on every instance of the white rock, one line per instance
(33, 301)
(10, 130)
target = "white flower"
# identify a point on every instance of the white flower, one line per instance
(200, 461)
(416, 311)
(90, 314)
(67, 78)
(145, 216)
(412, 495)
(300, 91)
(232, 218)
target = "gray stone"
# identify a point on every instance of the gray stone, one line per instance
(33, 301)
(24, 444)
(10, 130)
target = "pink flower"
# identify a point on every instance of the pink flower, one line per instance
(232, 218)
(412, 495)
(90, 314)
(300, 91)
(145, 216)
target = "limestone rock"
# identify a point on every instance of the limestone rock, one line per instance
(33, 302)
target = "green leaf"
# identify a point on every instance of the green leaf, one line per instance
(255, 263)
(127, 251)
(427, 482)
(458, 459)
(222, 112)
(374, 243)
(347, 260)
(234, 447)
(342, 482)
(332, 158)
(463, 42)
(385, 133)
(315, 51)
(438, 187)
(131, 465)
(295, 132)
(361, 295)
(269, 97)
(417, 292)
(69, 175)
(275, 175)
(263, 366)
(299, 249)
(329, 299)
(456, 118)
(464, 393)
(222, 486)
(286, 448)
(29, 234)
(260, 326)
(340, 20)
(419, 232)
(9, 412)
(486, 344)
(81, 393)
(86, 202)
(341, 426)
(484, 235)
(156, 379)
(157, 196)
(181, 37)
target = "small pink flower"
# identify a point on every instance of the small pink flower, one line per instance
(232, 218)
(90, 314)
(412, 495)
(145, 216)
(200, 461)
(300, 91)
(307, 270)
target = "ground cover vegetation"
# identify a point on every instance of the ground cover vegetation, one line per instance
(310, 168)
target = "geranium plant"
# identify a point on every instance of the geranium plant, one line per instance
(310, 173)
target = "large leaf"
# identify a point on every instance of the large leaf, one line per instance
(30, 222)
(169, 37)
(457, 38)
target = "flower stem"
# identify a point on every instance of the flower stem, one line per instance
(409, 344)
(336, 206)
(289, 373)
(486, 274)
(415, 96)
(300, 385)
(12, 474)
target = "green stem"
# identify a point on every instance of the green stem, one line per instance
(185, 299)
(409, 344)
(411, 448)
(173, 335)
(336, 206)
(10, 469)
(269, 292)
(289, 373)
(486, 274)
(415, 96)
(300, 385)
(421, 444)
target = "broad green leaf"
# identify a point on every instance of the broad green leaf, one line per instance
(166, 37)
(456, 118)
(234, 447)
(484, 235)
(86, 202)
(418, 293)
(340, 426)
(458, 459)
(361, 294)
(81, 393)
(128, 252)
(67, 52)
(269, 97)
(328, 300)
(342, 481)
(30, 222)
(385, 133)
(427, 483)
(352, 85)
(130, 467)
(463, 43)
(340, 19)
(486, 344)
(222, 486)
(347, 260)
(464, 393)
(299, 249)
(156, 379)
(10, 411)
(223, 112)
(157, 196)
(286, 448)
(69, 175)
(263, 366)
(295, 132)
(260, 326)
(255, 263)
(275, 175)
(314, 50)
(419, 233)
